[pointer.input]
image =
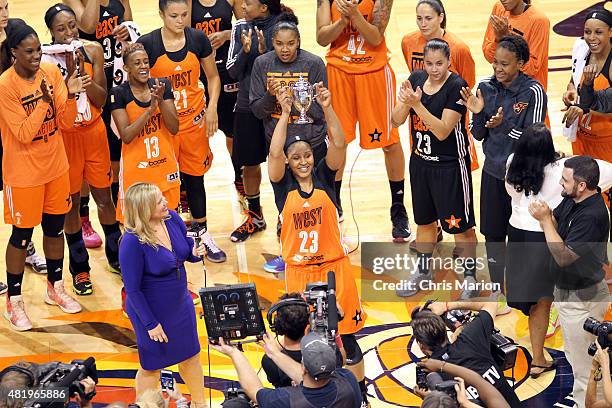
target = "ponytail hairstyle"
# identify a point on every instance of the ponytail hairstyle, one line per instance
(19, 33)
(163, 4)
(517, 45)
(286, 21)
(437, 44)
(438, 8)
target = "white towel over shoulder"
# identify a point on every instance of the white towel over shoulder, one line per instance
(580, 52)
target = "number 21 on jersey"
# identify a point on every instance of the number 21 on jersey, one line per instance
(310, 242)
(178, 96)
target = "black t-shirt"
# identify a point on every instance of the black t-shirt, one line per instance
(584, 228)
(472, 350)
(277, 377)
(425, 144)
(214, 19)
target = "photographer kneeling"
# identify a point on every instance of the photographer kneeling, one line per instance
(321, 383)
(472, 347)
(289, 323)
(600, 371)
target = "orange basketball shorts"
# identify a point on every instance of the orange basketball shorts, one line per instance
(368, 99)
(24, 206)
(192, 150)
(296, 278)
(89, 156)
(172, 197)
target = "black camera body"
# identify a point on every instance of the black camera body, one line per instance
(236, 398)
(503, 349)
(321, 296)
(435, 382)
(603, 331)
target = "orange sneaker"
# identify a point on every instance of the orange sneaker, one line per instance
(56, 295)
(16, 315)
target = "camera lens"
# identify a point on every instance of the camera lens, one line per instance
(591, 325)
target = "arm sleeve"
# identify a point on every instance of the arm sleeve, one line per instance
(168, 92)
(405, 51)
(489, 44)
(538, 46)
(65, 108)
(236, 58)
(320, 73)
(454, 96)
(535, 111)
(116, 98)
(23, 127)
(261, 102)
(268, 398)
(479, 131)
(599, 101)
(205, 49)
(131, 258)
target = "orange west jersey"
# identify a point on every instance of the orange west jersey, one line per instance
(461, 59)
(534, 27)
(150, 156)
(34, 151)
(182, 69)
(350, 52)
(310, 232)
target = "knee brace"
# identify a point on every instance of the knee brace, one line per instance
(21, 237)
(196, 195)
(53, 225)
(353, 352)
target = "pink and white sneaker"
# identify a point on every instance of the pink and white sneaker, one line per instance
(16, 315)
(57, 295)
(90, 236)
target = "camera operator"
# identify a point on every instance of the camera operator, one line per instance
(290, 325)
(600, 371)
(472, 347)
(576, 234)
(321, 383)
(487, 392)
(27, 375)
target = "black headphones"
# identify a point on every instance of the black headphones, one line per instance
(22, 370)
(280, 304)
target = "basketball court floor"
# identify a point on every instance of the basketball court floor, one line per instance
(103, 332)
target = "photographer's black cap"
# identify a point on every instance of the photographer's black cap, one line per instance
(318, 357)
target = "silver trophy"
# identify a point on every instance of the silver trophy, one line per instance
(303, 96)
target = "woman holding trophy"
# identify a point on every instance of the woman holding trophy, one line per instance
(303, 187)
(289, 66)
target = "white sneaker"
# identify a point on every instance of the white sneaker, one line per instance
(469, 293)
(35, 261)
(502, 303)
(57, 295)
(213, 252)
(412, 286)
(16, 315)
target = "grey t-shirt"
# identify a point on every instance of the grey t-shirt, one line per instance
(264, 106)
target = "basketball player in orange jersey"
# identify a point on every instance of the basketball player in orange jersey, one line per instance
(520, 17)
(311, 237)
(178, 52)
(214, 18)
(35, 105)
(87, 150)
(363, 85)
(594, 133)
(143, 109)
(100, 21)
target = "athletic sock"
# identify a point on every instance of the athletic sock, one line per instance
(55, 268)
(115, 192)
(254, 204)
(14, 281)
(84, 206)
(78, 257)
(364, 390)
(237, 172)
(397, 192)
(338, 187)
(112, 233)
(423, 261)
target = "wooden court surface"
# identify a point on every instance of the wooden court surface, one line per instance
(102, 330)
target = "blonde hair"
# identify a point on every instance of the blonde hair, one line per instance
(138, 205)
(151, 399)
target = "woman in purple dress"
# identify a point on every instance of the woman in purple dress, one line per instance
(152, 255)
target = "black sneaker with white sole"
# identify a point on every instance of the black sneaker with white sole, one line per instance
(254, 223)
(401, 227)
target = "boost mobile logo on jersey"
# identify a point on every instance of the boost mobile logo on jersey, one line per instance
(143, 165)
(519, 107)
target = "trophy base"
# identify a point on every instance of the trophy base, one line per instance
(304, 121)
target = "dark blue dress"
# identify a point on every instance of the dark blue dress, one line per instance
(156, 287)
